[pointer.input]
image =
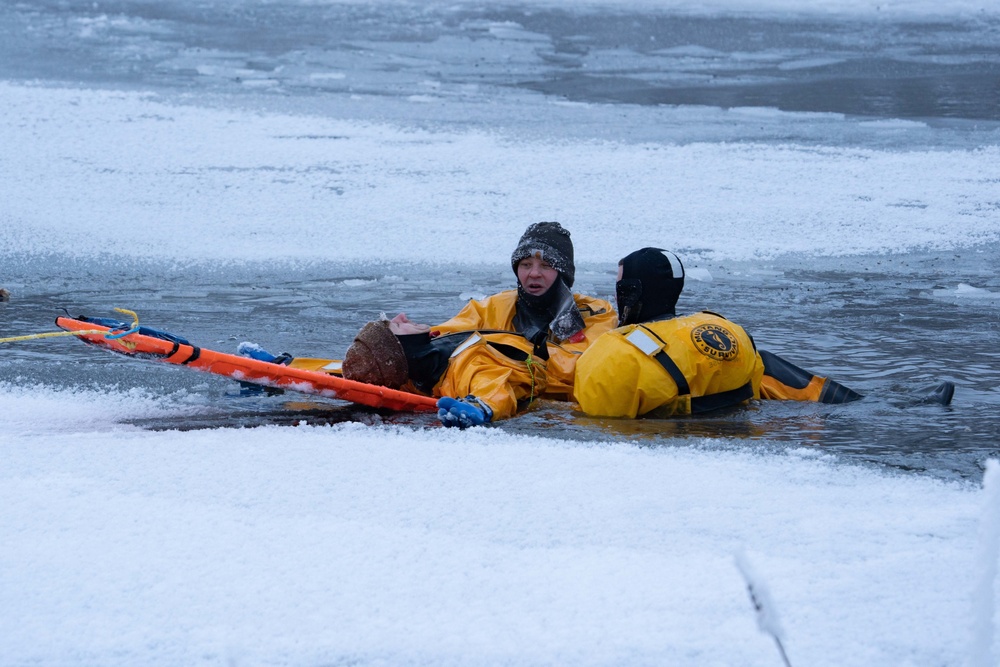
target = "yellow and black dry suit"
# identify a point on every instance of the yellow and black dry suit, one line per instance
(679, 366)
(497, 312)
(502, 369)
(784, 381)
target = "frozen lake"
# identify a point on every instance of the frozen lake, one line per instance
(842, 85)
(282, 172)
(478, 65)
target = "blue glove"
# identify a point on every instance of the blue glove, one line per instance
(255, 351)
(463, 412)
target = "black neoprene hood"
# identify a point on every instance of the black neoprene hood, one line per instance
(652, 281)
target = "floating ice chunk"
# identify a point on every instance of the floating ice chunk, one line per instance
(893, 124)
(260, 83)
(965, 291)
(698, 273)
(809, 63)
(515, 31)
(327, 76)
(691, 50)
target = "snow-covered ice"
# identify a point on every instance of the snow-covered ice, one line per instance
(369, 544)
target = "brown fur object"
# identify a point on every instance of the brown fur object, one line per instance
(376, 357)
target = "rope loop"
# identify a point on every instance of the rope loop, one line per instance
(133, 329)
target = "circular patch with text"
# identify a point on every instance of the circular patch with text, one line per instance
(715, 342)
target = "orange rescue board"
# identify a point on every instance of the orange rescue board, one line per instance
(251, 370)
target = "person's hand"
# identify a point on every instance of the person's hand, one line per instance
(463, 412)
(402, 326)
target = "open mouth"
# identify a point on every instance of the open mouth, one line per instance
(535, 288)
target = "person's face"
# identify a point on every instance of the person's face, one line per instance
(402, 326)
(536, 275)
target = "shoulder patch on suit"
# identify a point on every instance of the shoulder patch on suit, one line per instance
(715, 341)
(643, 341)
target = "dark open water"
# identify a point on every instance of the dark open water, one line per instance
(890, 327)
(892, 336)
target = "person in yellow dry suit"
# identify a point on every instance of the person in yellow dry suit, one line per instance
(502, 352)
(657, 364)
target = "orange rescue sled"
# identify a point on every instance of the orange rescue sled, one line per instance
(175, 350)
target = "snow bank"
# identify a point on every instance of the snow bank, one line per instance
(387, 545)
(34, 410)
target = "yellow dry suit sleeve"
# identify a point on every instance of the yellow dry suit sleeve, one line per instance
(493, 312)
(499, 369)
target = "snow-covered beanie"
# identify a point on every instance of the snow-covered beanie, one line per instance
(652, 280)
(551, 242)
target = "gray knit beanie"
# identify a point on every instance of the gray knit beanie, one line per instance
(551, 242)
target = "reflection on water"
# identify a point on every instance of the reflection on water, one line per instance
(888, 337)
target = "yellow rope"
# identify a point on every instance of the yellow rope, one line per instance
(56, 334)
(132, 329)
(530, 363)
(125, 311)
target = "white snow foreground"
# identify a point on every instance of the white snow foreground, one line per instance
(378, 545)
